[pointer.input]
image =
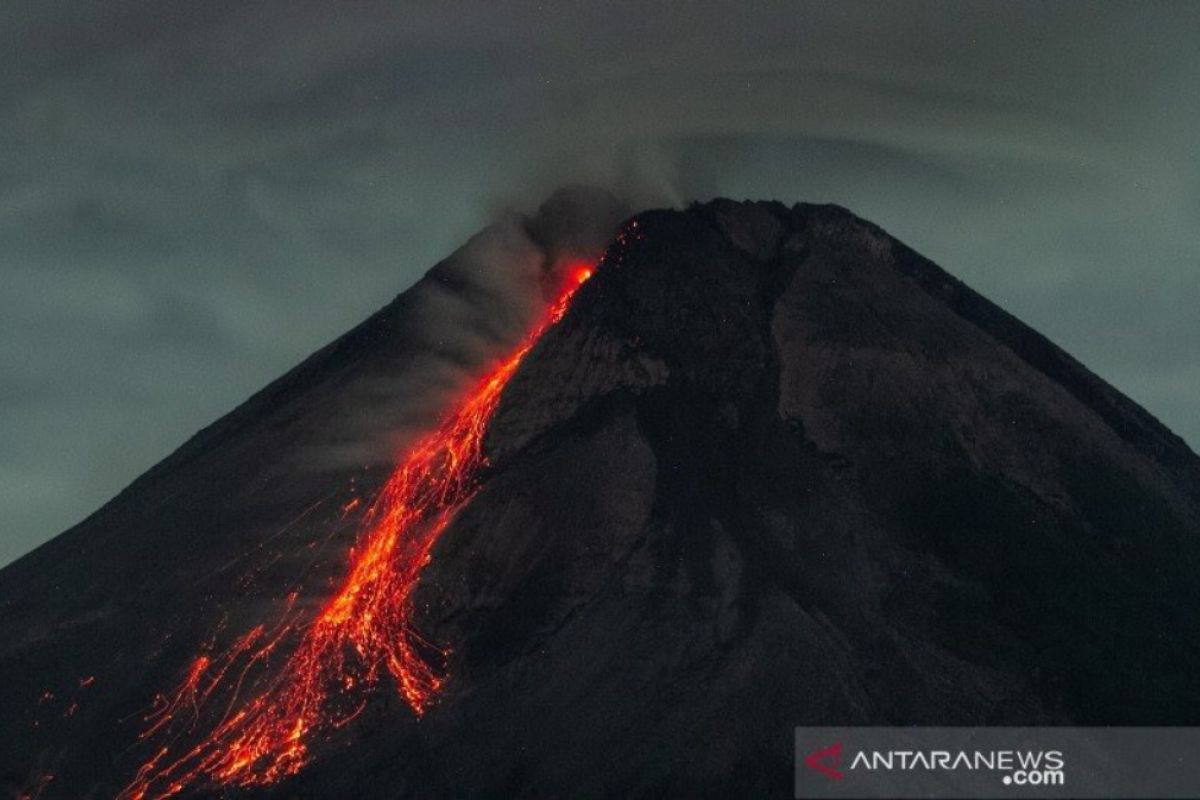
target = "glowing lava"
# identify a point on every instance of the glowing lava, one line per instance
(361, 634)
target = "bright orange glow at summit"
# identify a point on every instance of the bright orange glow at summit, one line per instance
(361, 635)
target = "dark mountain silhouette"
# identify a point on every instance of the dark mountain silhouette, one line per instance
(773, 468)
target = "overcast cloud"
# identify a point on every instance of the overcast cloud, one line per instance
(194, 196)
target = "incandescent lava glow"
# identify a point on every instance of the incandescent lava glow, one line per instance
(363, 633)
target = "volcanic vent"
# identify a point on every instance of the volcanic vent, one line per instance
(768, 467)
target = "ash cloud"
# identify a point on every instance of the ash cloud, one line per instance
(475, 305)
(467, 313)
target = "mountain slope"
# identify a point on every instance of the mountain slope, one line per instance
(773, 468)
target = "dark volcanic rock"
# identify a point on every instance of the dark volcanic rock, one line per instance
(773, 468)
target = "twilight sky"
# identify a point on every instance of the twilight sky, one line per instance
(196, 195)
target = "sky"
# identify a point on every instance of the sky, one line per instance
(195, 196)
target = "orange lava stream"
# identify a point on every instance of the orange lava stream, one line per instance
(363, 632)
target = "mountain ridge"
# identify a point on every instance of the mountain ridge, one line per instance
(772, 468)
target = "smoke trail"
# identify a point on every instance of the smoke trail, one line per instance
(468, 310)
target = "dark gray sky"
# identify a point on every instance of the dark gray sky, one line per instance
(195, 195)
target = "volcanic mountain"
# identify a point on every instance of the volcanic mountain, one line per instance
(753, 467)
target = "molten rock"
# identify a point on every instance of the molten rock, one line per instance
(772, 468)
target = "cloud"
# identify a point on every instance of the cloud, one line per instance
(194, 196)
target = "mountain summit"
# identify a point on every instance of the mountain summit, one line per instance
(768, 467)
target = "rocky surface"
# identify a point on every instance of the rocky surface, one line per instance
(773, 468)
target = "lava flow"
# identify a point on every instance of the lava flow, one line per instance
(361, 634)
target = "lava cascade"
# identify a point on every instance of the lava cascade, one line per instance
(361, 634)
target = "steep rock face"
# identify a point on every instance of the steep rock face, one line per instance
(266, 501)
(777, 469)
(773, 468)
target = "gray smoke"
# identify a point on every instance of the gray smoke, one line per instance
(468, 312)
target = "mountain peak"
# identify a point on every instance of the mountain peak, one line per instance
(765, 446)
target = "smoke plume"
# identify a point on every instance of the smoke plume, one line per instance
(469, 310)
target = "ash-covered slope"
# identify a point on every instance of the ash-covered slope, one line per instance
(773, 468)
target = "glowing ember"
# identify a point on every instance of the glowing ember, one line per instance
(362, 633)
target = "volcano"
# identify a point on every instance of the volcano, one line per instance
(739, 468)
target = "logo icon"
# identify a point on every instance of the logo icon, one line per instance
(826, 761)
